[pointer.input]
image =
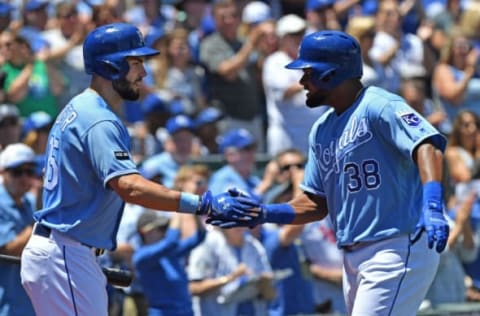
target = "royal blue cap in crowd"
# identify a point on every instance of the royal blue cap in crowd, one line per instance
(177, 107)
(177, 123)
(36, 120)
(238, 138)
(207, 115)
(318, 4)
(5, 9)
(154, 103)
(33, 5)
(154, 34)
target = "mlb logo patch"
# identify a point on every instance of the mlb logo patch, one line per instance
(411, 119)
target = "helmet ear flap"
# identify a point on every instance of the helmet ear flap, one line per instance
(328, 76)
(111, 69)
(324, 80)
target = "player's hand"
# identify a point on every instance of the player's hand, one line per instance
(235, 209)
(433, 222)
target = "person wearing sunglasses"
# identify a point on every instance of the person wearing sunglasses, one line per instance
(17, 169)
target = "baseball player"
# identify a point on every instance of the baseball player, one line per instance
(89, 175)
(374, 166)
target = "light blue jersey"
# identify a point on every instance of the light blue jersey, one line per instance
(88, 145)
(350, 163)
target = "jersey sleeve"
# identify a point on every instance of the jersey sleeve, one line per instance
(400, 124)
(107, 146)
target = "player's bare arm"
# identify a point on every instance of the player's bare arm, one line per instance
(308, 208)
(134, 188)
(429, 160)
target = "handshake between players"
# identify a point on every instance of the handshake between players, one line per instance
(231, 209)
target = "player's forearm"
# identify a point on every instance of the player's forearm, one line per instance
(136, 189)
(308, 208)
(430, 162)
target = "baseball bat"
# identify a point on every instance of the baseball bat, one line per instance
(116, 277)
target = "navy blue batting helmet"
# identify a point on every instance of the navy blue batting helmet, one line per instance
(333, 56)
(106, 47)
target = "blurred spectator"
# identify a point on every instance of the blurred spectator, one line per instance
(402, 55)
(146, 14)
(461, 151)
(435, 31)
(193, 179)
(448, 286)
(17, 167)
(35, 131)
(469, 23)
(454, 81)
(321, 15)
(282, 176)
(160, 263)
(184, 80)
(326, 260)
(363, 29)
(5, 15)
(206, 129)
(103, 14)
(231, 76)
(255, 12)
(35, 20)
(31, 84)
(414, 91)
(227, 259)
(178, 151)
(194, 15)
(281, 243)
(238, 148)
(145, 142)
(10, 125)
(289, 119)
(66, 51)
(284, 254)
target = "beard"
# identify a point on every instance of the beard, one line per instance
(317, 98)
(124, 88)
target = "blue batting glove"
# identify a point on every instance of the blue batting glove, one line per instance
(231, 206)
(252, 213)
(235, 209)
(432, 220)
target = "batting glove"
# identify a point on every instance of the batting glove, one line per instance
(224, 206)
(252, 213)
(432, 220)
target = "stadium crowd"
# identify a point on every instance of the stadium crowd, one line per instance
(219, 92)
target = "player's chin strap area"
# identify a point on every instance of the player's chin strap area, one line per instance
(115, 277)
